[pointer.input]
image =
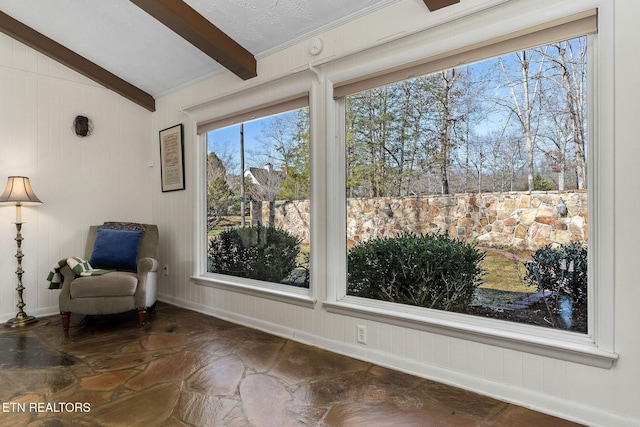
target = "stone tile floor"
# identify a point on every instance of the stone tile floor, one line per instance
(188, 369)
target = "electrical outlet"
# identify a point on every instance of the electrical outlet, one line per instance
(165, 269)
(361, 334)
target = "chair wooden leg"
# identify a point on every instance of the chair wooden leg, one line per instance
(141, 315)
(65, 319)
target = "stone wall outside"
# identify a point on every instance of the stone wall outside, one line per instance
(291, 215)
(513, 219)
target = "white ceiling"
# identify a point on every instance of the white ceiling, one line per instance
(123, 39)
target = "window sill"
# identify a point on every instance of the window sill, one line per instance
(272, 291)
(561, 345)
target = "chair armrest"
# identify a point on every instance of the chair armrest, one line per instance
(146, 265)
(147, 281)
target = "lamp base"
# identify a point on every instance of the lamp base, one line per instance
(22, 319)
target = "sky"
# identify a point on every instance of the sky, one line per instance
(228, 140)
(225, 142)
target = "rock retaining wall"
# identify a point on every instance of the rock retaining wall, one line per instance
(291, 215)
(513, 219)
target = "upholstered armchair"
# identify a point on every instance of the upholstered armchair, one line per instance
(131, 251)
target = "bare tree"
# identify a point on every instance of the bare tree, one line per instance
(506, 161)
(556, 134)
(445, 124)
(285, 144)
(277, 140)
(473, 107)
(571, 63)
(524, 97)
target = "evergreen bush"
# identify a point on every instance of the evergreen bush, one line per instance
(431, 271)
(560, 270)
(256, 252)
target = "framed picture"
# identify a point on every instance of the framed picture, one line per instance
(172, 158)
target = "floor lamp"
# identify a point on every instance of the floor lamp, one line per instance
(19, 191)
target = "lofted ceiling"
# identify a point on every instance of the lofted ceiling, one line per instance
(143, 49)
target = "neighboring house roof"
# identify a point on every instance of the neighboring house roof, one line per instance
(267, 182)
(266, 176)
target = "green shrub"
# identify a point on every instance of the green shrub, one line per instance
(429, 271)
(561, 270)
(256, 252)
(540, 183)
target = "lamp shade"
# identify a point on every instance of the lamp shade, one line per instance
(19, 190)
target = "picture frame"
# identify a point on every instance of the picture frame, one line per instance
(172, 158)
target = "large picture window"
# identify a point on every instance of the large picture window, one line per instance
(464, 193)
(258, 197)
(467, 187)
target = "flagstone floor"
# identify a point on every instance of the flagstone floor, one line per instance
(188, 369)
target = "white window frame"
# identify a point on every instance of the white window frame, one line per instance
(238, 104)
(596, 348)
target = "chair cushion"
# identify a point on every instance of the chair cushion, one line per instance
(116, 249)
(117, 283)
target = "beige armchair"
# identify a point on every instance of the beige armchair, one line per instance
(131, 286)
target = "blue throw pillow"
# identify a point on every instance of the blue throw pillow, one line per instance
(116, 249)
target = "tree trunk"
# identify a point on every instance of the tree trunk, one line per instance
(526, 126)
(575, 101)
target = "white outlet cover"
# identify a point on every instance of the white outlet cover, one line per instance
(361, 334)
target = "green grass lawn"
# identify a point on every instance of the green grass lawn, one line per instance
(504, 274)
(503, 282)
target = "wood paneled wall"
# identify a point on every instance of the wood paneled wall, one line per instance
(81, 181)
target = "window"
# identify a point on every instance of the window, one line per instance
(490, 158)
(594, 346)
(258, 199)
(366, 189)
